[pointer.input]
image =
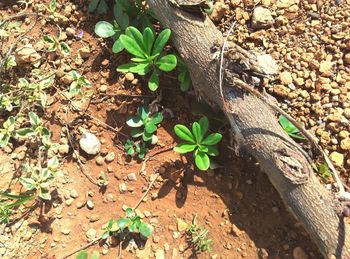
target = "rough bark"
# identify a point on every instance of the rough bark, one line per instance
(257, 131)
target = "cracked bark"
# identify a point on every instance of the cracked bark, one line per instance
(258, 132)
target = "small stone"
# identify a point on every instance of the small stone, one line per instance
(80, 204)
(91, 234)
(181, 225)
(129, 76)
(236, 231)
(94, 217)
(70, 32)
(27, 236)
(286, 3)
(337, 158)
(27, 55)
(325, 67)
(218, 11)
(262, 18)
(109, 197)
(65, 231)
(160, 254)
(345, 144)
(286, 78)
(299, 253)
(132, 177)
(122, 188)
(90, 143)
(69, 201)
(110, 157)
(90, 204)
(63, 149)
(347, 58)
(156, 239)
(103, 88)
(74, 194)
(99, 160)
(85, 52)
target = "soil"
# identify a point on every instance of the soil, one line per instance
(236, 203)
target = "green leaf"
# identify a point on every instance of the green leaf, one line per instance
(197, 133)
(204, 125)
(202, 161)
(131, 46)
(52, 6)
(129, 212)
(154, 139)
(105, 234)
(45, 195)
(212, 139)
(185, 81)
(82, 254)
(167, 63)
(136, 35)
(34, 119)
(104, 29)
(117, 46)
(27, 183)
(184, 133)
(212, 151)
(161, 41)
(134, 121)
(141, 68)
(48, 39)
(203, 149)
(145, 229)
(123, 223)
(102, 7)
(64, 48)
(119, 14)
(135, 133)
(153, 82)
(184, 148)
(95, 255)
(148, 39)
(4, 139)
(150, 127)
(157, 118)
(25, 132)
(143, 112)
(147, 136)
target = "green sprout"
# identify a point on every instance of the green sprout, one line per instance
(288, 127)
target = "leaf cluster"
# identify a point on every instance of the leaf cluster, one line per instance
(55, 44)
(197, 142)
(9, 201)
(128, 225)
(77, 87)
(147, 54)
(198, 235)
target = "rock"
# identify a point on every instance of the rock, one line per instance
(218, 12)
(65, 231)
(345, 144)
(94, 217)
(109, 197)
(281, 90)
(160, 254)
(236, 231)
(103, 88)
(122, 187)
(299, 253)
(70, 32)
(132, 177)
(347, 58)
(181, 225)
(91, 234)
(85, 52)
(99, 160)
(74, 194)
(27, 55)
(156, 239)
(267, 64)
(69, 201)
(129, 76)
(90, 143)
(325, 67)
(110, 157)
(286, 78)
(337, 158)
(286, 3)
(63, 149)
(90, 204)
(262, 18)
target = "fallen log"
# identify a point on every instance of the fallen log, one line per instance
(256, 130)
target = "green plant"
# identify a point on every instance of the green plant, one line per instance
(198, 236)
(79, 83)
(184, 76)
(196, 141)
(36, 129)
(39, 179)
(139, 148)
(290, 128)
(83, 254)
(52, 7)
(7, 131)
(147, 54)
(55, 44)
(99, 5)
(324, 172)
(144, 119)
(128, 225)
(6, 207)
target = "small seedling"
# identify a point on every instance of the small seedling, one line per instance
(83, 254)
(7, 131)
(198, 236)
(196, 141)
(132, 148)
(290, 128)
(149, 122)
(6, 207)
(79, 83)
(324, 172)
(36, 129)
(55, 44)
(39, 179)
(52, 7)
(184, 76)
(102, 180)
(128, 225)
(147, 54)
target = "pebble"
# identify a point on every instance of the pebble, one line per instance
(129, 76)
(286, 78)
(236, 231)
(132, 177)
(181, 225)
(85, 52)
(218, 11)
(70, 32)
(91, 234)
(337, 158)
(110, 197)
(122, 188)
(74, 194)
(94, 217)
(345, 144)
(299, 253)
(262, 18)
(110, 157)
(69, 201)
(99, 160)
(65, 231)
(90, 204)
(156, 239)
(90, 143)
(103, 88)
(63, 149)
